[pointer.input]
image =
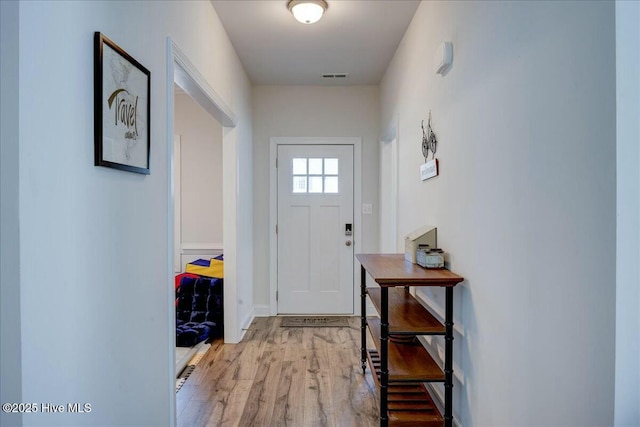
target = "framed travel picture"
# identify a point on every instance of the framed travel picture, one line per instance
(122, 89)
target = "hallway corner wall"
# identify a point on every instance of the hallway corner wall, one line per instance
(96, 299)
(627, 394)
(10, 324)
(524, 202)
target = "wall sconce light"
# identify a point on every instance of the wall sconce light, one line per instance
(307, 11)
(443, 58)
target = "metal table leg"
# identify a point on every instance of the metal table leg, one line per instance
(384, 356)
(363, 318)
(448, 361)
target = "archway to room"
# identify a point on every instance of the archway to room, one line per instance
(195, 94)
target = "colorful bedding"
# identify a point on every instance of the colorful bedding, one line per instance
(209, 268)
(199, 309)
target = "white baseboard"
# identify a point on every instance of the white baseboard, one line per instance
(256, 311)
(261, 311)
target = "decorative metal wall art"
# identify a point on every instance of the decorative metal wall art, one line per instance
(429, 140)
(429, 143)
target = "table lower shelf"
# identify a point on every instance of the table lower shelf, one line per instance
(409, 404)
(407, 362)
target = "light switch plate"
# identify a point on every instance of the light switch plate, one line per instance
(367, 209)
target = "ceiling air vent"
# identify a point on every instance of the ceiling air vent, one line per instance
(335, 76)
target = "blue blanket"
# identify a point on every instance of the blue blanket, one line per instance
(199, 310)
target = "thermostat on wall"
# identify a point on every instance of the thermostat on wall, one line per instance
(443, 57)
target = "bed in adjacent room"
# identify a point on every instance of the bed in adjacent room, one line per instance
(199, 306)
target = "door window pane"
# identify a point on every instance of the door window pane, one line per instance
(315, 184)
(315, 166)
(330, 184)
(299, 166)
(315, 175)
(331, 166)
(299, 184)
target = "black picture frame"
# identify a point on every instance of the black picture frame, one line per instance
(122, 109)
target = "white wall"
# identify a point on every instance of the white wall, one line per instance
(525, 200)
(200, 173)
(627, 409)
(388, 196)
(244, 213)
(10, 325)
(311, 111)
(95, 299)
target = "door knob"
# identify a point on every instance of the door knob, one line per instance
(348, 243)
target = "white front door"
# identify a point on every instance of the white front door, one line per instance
(315, 212)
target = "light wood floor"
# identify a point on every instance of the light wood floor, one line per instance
(299, 377)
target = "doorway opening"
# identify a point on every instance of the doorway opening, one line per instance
(198, 185)
(183, 74)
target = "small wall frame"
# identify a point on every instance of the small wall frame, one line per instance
(122, 109)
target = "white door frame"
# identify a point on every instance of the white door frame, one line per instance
(273, 206)
(182, 72)
(177, 202)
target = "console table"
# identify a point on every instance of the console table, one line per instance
(400, 365)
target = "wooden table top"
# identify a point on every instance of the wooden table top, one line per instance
(393, 270)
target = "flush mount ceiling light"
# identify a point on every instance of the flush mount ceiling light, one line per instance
(307, 11)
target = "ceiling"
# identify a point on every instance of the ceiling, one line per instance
(358, 37)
